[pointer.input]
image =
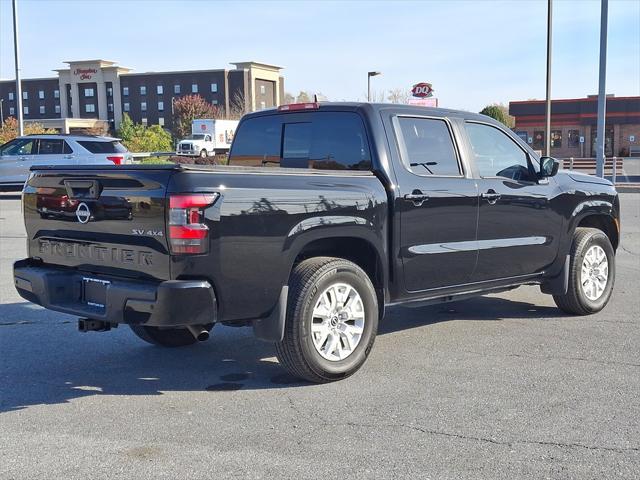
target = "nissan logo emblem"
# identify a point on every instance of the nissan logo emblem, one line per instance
(83, 214)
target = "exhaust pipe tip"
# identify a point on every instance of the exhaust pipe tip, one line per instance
(199, 333)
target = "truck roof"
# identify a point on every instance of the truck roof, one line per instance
(372, 108)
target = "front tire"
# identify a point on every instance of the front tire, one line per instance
(203, 153)
(591, 273)
(332, 320)
(166, 337)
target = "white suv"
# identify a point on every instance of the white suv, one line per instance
(20, 154)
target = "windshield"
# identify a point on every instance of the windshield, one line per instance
(196, 136)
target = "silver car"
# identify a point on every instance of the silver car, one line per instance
(20, 154)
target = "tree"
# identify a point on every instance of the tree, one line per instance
(303, 97)
(288, 99)
(500, 113)
(237, 106)
(398, 95)
(138, 138)
(9, 129)
(189, 107)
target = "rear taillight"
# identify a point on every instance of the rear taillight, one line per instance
(116, 159)
(187, 231)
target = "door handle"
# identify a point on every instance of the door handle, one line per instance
(68, 157)
(416, 197)
(491, 196)
(22, 159)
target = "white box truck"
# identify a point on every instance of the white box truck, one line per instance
(208, 137)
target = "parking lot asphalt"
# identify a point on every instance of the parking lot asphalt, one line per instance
(498, 387)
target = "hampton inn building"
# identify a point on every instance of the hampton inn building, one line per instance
(91, 93)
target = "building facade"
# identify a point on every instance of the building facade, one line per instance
(103, 91)
(573, 125)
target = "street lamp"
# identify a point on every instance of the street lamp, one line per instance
(369, 75)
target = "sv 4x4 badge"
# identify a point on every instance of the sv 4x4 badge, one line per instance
(148, 233)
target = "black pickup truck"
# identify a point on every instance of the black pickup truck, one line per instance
(325, 215)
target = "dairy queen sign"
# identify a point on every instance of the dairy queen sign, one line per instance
(85, 73)
(422, 90)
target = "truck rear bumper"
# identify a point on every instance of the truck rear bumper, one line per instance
(171, 303)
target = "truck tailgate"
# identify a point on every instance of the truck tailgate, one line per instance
(102, 220)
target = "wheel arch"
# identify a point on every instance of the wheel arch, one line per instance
(356, 249)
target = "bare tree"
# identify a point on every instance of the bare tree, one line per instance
(238, 106)
(398, 95)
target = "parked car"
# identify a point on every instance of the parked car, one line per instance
(326, 215)
(20, 154)
(208, 137)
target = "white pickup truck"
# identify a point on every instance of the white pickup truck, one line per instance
(208, 137)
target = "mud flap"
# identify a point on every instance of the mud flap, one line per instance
(271, 328)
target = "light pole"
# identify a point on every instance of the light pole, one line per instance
(18, 81)
(547, 143)
(1, 114)
(602, 94)
(369, 75)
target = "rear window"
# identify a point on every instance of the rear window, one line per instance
(97, 146)
(319, 140)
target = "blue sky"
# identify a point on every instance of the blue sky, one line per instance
(473, 52)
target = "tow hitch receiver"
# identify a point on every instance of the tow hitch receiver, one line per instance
(89, 325)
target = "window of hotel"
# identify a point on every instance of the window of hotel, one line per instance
(143, 106)
(125, 107)
(125, 91)
(556, 138)
(214, 87)
(109, 92)
(12, 111)
(88, 92)
(160, 106)
(143, 90)
(10, 95)
(90, 108)
(56, 94)
(57, 108)
(25, 95)
(263, 105)
(194, 88)
(573, 138)
(110, 107)
(214, 102)
(538, 140)
(263, 90)
(41, 94)
(25, 110)
(176, 88)
(144, 121)
(159, 90)
(161, 121)
(42, 111)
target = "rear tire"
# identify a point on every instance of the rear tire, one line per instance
(166, 337)
(592, 273)
(332, 320)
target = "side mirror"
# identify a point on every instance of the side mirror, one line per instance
(548, 167)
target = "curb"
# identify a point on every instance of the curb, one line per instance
(628, 187)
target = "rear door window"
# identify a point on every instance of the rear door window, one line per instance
(51, 146)
(319, 140)
(97, 146)
(427, 147)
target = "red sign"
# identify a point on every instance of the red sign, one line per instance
(85, 73)
(203, 127)
(422, 90)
